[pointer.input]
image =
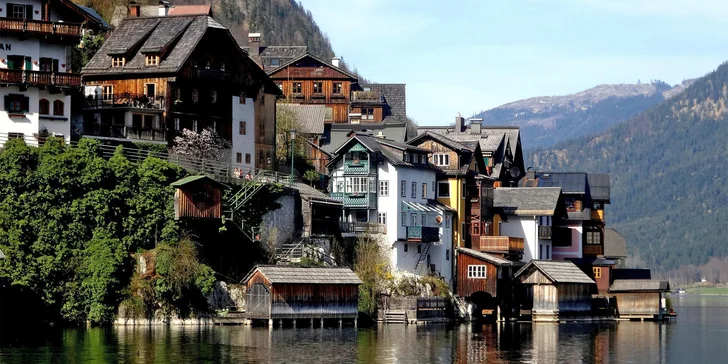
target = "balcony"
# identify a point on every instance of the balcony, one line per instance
(125, 100)
(367, 97)
(597, 215)
(544, 232)
(125, 132)
(501, 244)
(367, 200)
(40, 27)
(593, 250)
(213, 75)
(423, 234)
(40, 78)
(356, 166)
(362, 227)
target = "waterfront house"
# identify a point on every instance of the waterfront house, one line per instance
(36, 66)
(388, 189)
(157, 75)
(198, 197)
(552, 288)
(278, 293)
(528, 213)
(639, 298)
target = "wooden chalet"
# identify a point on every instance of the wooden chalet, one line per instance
(277, 293)
(640, 298)
(378, 103)
(155, 76)
(198, 197)
(553, 288)
(309, 80)
(485, 281)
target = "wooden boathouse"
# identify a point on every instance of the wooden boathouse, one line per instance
(553, 288)
(295, 294)
(640, 298)
(198, 197)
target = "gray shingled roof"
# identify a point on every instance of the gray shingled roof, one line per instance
(301, 275)
(375, 145)
(338, 133)
(308, 192)
(319, 60)
(639, 285)
(599, 186)
(284, 54)
(310, 118)
(395, 95)
(570, 182)
(557, 271)
(93, 14)
(442, 139)
(615, 245)
(487, 257)
(521, 201)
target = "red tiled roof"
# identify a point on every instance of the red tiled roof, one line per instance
(190, 10)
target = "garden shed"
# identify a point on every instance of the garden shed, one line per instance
(553, 288)
(198, 197)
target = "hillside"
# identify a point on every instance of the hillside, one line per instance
(547, 120)
(669, 194)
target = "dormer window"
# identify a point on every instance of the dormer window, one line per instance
(151, 59)
(275, 62)
(117, 61)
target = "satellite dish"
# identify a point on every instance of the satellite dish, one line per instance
(515, 172)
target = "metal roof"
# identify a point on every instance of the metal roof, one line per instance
(303, 275)
(430, 206)
(570, 182)
(487, 257)
(557, 271)
(639, 285)
(631, 273)
(309, 118)
(599, 186)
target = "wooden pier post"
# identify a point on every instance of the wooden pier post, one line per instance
(294, 323)
(355, 323)
(341, 323)
(270, 323)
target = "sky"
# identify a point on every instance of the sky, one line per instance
(466, 56)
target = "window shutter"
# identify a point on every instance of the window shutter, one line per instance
(26, 104)
(7, 103)
(28, 11)
(11, 62)
(55, 65)
(9, 10)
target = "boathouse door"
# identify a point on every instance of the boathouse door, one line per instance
(258, 305)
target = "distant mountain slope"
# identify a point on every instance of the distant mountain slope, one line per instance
(547, 120)
(669, 174)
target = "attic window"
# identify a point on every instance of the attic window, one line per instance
(151, 59)
(118, 61)
(275, 62)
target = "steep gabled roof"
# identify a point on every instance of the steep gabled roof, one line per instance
(557, 271)
(189, 180)
(339, 133)
(524, 201)
(299, 275)
(452, 144)
(395, 95)
(599, 186)
(376, 145)
(92, 16)
(309, 56)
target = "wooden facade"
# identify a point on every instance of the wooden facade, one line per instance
(638, 304)
(468, 286)
(198, 197)
(553, 288)
(492, 292)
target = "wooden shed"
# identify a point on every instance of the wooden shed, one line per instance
(639, 298)
(553, 288)
(295, 293)
(198, 197)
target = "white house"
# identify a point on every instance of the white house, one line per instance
(529, 213)
(36, 39)
(388, 188)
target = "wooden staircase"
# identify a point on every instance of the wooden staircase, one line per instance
(288, 253)
(395, 317)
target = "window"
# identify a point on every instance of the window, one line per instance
(238, 157)
(213, 96)
(296, 88)
(443, 189)
(117, 61)
(44, 107)
(413, 219)
(337, 87)
(58, 107)
(372, 185)
(441, 159)
(423, 220)
(540, 251)
(367, 114)
(275, 62)
(403, 189)
(462, 190)
(477, 271)
(594, 237)
(383, 188)
(195, 95)
(382, 218)
(107, 92)
(406, 247)
(18, 11)
(151, 60)
(329, 116)
(176, 123)
(403, 217)
(247, 158)
(414, 189)
(12, 135)
(318, 87)
(357, 185)
(548, 251)
(243, 130)
(261, 133)
(597, 272)
(242, 98)
(419, 248)
(447, 221)
(46, 64)
(424, 190)
(447, 254)
(475, 228)
(16, 104)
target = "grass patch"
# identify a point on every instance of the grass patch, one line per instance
(707, 290)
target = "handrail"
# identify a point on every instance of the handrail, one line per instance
(41, 26)
(40, 77)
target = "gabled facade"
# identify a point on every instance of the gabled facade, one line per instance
(35, 65)
(156, 76)
(388, 188)
(378, 103)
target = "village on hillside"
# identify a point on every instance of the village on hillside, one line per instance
(442, 222)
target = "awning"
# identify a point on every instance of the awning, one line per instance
(430, 206)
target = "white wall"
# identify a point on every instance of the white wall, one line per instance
(32, 122)
(525, 227)
(36, 6)
(31, 47)
(244, 144)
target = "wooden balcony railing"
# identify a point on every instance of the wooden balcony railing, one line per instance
(40, 27)
(362, 227)
(124, 132)
(125, 100)
(40, 78)
(597, 215)
(501, 244)
(593, 249)
(544, 232)
(423, 233)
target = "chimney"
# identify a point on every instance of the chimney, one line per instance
(133, 9)
(253, 44)
(459, 122)
(163, 8)
(380, 135)
(335, 61)
(475, 125)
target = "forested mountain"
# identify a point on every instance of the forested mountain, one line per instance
(547, 120)
(668, 171)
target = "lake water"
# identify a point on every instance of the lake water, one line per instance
(700, 335)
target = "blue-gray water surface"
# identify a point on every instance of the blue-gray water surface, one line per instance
(700, 335)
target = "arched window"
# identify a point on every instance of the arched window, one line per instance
(58, 107)
(44, 107)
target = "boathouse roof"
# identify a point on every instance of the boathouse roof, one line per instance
(639, 285)
(303, 275)
(556, 271)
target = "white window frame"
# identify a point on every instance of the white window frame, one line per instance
(424, 191)
(403, 188)
(107, 92)
(477, 271)
(382, 218)
(414, 189)
(447, 221)
(357, 185)
(403, 217)
(384, 188)
(441, 159)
